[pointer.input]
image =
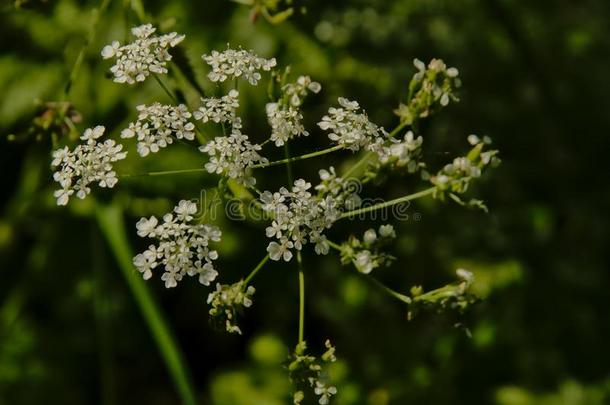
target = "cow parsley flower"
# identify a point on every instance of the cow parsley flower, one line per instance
(237, 63)
(219, 110)
(298, 90)
(349, 127)
(285, 123)
(232, 155)
(89, 162)
(325, 392)
(367, 254)
(147, 54)
(300, 217)
(182, 249)
(227, 302)
(156, 126)
(307, 371)
(405, 153)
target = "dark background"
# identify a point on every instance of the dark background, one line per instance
(535, 77)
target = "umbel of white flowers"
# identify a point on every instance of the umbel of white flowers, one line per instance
(89, 162)
(156, 126)
(183, 246)
(147, 54)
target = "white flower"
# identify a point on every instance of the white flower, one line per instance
(370, 236)
(324, 392)
(183, 246)
(227, 301)
(237, 63)
(232, 156)
(147, 54)
(387, 231)
(285, 123)
(156, 125)
(298, 90)
(465, 276)
(89, 162)
(219, 110)
(364, 262)
(349, 127)
(400, 153)
(281, 250)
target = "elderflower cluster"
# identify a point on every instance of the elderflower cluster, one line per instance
(89, 162)
(298, 217)
(183, 246)
(285, 123)
(366, 254)
(237, 63)
(349, 127)
(227, 302)
(308, 371)
(232, 156)
(219, 110)
(147, 54)
(156, 124)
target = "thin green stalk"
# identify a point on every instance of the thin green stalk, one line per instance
(297, 158)
(110, 221)
(164, 173)
(334, 245)
(256, 269)
(390, 203)
(388, 290)
(165, 88)
(301, 298)
(97, 13)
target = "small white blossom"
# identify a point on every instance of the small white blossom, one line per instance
(183, 246)
(219, 110)
(227, 301)
(286, 123)
(349, 127)
(370, 236)
(89, 162)
(147, 54)
(400, 153)
(232, 156)
(156, 126)
(324, 392)
(365, 262)
(298, 90)
(237, 63)
(387, 231)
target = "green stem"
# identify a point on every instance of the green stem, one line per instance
(392, 293)
(164, 173)
(390, 203)
(110, 221)
(97, 13)
(296, 158)
(301, 297)
(256, 269)
(334, 245)
(166, 89)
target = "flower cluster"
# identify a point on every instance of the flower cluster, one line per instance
(456, 296)
(307, 371)
(455, 177)
(298, 217)
(227, 302)
(237, 63)
(285, 123)
(431, 88)
(232, 156)
(183, 246)
(366, 254)
(349, 127)
(219, 110)
(147, 54)
(399, 154)
(156, 125)
(89, 162)
(297, 91)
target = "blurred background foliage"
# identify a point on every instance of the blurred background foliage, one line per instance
(535, 79)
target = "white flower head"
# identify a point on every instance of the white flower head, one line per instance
(349, 127)
(219, 110)
(227, 301)
(234, 63)
(286, 123)
(90, 162)
(183, 246)
(157, 126)
(232, 155)
(147, 54)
